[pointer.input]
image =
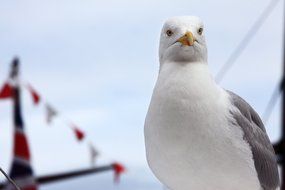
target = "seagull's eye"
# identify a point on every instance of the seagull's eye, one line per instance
(169, 33)
(200, 31)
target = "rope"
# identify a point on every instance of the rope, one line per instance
(9, 179)
(245, 41)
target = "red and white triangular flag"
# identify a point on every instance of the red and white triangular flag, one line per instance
(6, 91)
(78, 133)
(50, 113)
(118, 170)
(35, 96)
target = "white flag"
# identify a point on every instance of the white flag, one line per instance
(50, 113)
(93, 153)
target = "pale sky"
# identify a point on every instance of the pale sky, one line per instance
(97, 62)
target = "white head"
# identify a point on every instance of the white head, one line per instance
(182, 40)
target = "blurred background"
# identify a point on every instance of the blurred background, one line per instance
(97, 62)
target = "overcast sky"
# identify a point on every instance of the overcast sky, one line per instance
(97, 62)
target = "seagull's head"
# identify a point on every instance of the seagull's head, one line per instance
(182, 40)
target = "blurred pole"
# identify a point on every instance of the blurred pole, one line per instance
(279, 147)
(283, 112)
(21, 168)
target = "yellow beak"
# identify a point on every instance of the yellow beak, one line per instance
(187, 39)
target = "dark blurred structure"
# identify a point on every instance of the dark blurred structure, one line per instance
(21, 169)
(280, 146)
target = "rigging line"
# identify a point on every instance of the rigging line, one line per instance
(245, 41)
(272, 102)
(9, 179)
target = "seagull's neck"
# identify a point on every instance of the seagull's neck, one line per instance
(192, 71)
(190, 78)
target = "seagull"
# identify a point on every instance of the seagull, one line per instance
(199, 136)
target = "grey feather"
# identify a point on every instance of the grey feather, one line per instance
(255, 134)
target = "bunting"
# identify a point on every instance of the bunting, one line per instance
(78, 133)
(50, 113)
(6, 91)
(118, 170)
(93, 153)
(21, 167)
(35, 96)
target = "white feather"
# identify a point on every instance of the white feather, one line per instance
(190, 141)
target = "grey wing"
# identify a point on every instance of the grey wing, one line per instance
(255, 134)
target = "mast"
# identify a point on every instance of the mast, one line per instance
(281, 145)
(21, 170)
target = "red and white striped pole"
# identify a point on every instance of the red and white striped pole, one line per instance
(21, 170)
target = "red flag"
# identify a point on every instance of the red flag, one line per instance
(6, 91)
(78, 133)
(34, 94)
(118, 170)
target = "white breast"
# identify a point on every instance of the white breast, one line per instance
(190, 143)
